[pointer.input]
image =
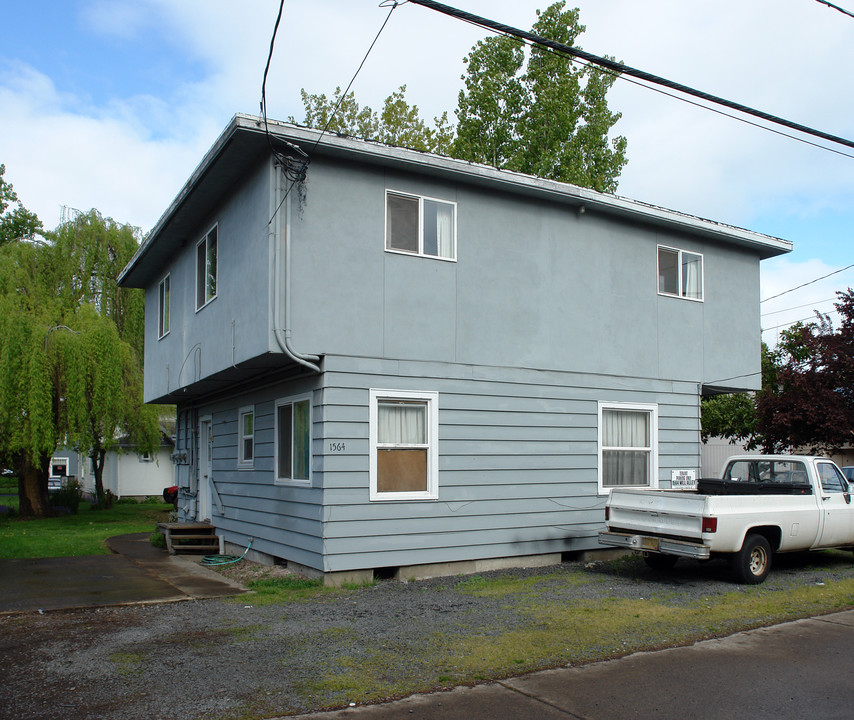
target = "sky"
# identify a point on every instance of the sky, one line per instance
(112, 104)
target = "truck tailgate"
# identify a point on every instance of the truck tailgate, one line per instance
(659, 512)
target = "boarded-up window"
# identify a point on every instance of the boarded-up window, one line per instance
(293, 440)
(404, 433)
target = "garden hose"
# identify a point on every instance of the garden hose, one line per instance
(213, 560)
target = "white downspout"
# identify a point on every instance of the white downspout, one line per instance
(278, 237)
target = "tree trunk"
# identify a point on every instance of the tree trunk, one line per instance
(97, 458)
(33, 498)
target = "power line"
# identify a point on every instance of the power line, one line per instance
(836, 7)
(794, 322)
(288, 162)
(835, 272)
(626, 69)
(797, 307)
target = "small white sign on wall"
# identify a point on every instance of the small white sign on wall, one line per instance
(683, 479)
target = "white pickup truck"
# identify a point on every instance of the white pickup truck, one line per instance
(762, 505)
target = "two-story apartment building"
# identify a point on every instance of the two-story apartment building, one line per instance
(387, 359)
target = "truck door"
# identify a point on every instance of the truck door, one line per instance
(837, 509)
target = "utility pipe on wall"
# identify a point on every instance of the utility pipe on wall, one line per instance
(280, 234)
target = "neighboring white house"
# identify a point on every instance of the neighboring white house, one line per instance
(127, 473)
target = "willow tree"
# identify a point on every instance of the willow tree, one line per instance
(70, 351)
(29, 402)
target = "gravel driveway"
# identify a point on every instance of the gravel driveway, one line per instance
(230, 658)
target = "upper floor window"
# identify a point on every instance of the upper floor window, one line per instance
(404, 429)
(421, 226)
(246, 428)
(293, 440)
(680, 273)
(206, 268)
(163, 306)
(628, 440)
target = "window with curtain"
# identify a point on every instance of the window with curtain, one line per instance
(680, 273)
(163, 299)
(421, 226)
(627, 446)
(293, 440)
(246, 425)
(404, 449)
(206, 268)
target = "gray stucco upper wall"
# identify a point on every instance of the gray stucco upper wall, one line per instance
(546, 275)
(244, 142)
(534, 284)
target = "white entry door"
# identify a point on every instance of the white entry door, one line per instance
(204, 505)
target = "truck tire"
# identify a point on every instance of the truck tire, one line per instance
(657, 561)
(751, 564)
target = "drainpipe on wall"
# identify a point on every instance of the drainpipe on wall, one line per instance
(280, 235)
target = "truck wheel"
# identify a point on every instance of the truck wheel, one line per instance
(752, 563)
(659, 562)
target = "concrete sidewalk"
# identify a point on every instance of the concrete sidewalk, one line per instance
(137, 573)
(801, 669)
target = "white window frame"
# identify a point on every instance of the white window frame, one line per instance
(292, 401)
(145, 457)
(680, 290)
(420, 199)
(652, 409)
(242, 461)
(208, 297)
(431, 400)
(164, 306)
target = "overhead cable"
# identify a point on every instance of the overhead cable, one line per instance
(836, 7)
(626, 69)
(299, 175)
(835, 272)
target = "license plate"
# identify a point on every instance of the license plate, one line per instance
(649, 543)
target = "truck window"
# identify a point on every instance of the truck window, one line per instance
(831, 479)
(765, 471)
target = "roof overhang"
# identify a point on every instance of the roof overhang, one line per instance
(244, 143)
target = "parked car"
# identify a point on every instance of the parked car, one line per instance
(762, 505)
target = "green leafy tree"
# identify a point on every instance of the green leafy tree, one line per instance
(399, 123)
(70, 352)
(16, 222)
(733, 416)
(490, 107)
(547, 117)
(552, 120)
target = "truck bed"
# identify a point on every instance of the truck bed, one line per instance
(716, 486)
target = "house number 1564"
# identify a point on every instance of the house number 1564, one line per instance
(337, 447)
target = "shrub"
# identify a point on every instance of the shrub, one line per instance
(68, 497)
(157, 539)
(126, 501)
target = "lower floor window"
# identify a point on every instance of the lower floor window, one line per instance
(293, 439)
(404, 445)
(627, 446)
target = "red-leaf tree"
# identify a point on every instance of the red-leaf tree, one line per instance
(810, 403)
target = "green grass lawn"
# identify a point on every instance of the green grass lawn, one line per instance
(81, 534)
